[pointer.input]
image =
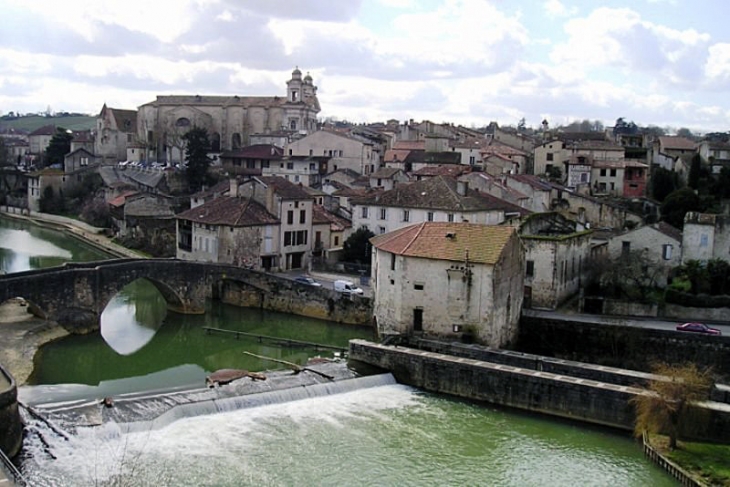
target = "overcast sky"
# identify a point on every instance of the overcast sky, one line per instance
(660, 62)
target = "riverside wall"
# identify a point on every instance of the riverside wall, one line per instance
(11, 426)
(575, 398)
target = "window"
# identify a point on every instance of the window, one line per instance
(613, 173)
(392, 262)
(625, 248)
(312, 166)
(303, 216)
(406, 215)
(381, 230)
(450, 217)
(337, 241)
(603, 172)
(311, 152)
(383, 213)
(472, 160)
(290, 165)
(364, 213)
(429, 216)
(667, 251)
(703, 240)
(287, 239)
(530, 268)
(549, 156)
(418, 286)
(418, 319)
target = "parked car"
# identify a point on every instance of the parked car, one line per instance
(698, 328)
(346, 287)
(307, 280)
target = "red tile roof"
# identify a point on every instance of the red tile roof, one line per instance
(673, 142)
(483, 244)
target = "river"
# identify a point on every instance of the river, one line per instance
(387, 434)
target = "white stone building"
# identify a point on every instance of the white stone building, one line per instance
(437, 199)
(447, 279)
(345, 151)
(705, 236)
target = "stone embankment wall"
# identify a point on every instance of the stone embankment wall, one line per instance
(623, 346)
(555, 394)
(274, 293)
(11, 427)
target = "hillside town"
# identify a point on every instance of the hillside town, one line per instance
(461, 236)
(531, 213)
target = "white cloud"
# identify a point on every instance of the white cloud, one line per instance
(556, 8)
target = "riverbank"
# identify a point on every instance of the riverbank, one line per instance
(91, 235)
(21, 336)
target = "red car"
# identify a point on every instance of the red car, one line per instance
(699, 328)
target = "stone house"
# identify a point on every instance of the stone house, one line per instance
(497, 187)
(251, 160)
(470, 150)
(510, 136)
(705, 237)
(449, 279)
(595, 212)
(39, 139)
(292, 206)
(388, 178)
(557, 153)
(330, 231)
(38, 181)
(229, 230)
(636, 176)
(537, 190)
(345, 151)
(660, 245)
(607, 178)
(438, 199)
(715, 153)
(229, 120)
(503, 159)
(557, 252)
(116, 129)
(307, 171)
(666, 149)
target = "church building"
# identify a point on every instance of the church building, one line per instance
(229, 120)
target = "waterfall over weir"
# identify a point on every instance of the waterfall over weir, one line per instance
(277, 396)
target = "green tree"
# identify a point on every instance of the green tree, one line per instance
(5, 159)
(357, 247)
(197, 146)
(695, 170)
(50, 202)
(663, 183)
(58, 147)
(719, 272)
(665, 406)
(677, 204)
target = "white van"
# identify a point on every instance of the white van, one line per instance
(347, 287)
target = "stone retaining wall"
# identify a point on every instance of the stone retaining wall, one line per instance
(561, 395)
(11, 426)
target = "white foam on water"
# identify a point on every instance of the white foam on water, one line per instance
(211, 446)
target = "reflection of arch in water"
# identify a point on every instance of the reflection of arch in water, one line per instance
(173, 300)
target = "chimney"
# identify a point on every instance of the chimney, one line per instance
(233, 192)
(462, 187)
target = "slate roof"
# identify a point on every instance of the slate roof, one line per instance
(256, 151)
(228, 211)
(385, 173)
(320, 215)
(673, 142)
(215, 190)
(147, 178)
(225, 100)
(450, 170)
(457, 242)
(45, 130)
(428, 157)
(126, 120)
(533, 181)
(285, 189)
(440, 193)
(668, 230)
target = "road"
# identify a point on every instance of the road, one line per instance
(327, 279)
(637, 322)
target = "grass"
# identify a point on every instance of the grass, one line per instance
(34, 122)
(706, 461)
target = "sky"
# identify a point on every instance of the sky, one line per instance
(468, 62)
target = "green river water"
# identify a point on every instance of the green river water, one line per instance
(383, 435)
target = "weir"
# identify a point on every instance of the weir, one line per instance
(277, 396)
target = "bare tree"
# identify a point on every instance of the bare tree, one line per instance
(666, 405)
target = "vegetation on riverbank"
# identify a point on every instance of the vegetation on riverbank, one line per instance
(706, 462)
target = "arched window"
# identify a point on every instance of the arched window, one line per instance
(293, 124)
(215, 142)
(182, 122)
(236, 141)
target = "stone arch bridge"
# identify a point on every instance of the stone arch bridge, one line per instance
(76, 294)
